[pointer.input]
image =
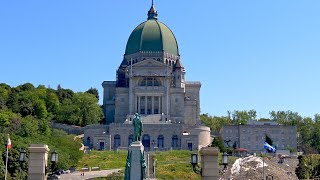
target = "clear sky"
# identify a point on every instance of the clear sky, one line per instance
(248, 54)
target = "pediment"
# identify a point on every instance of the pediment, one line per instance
(149, 63)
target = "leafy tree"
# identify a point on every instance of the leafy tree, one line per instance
(2, 166)
(308, 166)
(215, 123)
(29, 127)
(269, 140)
(25, 87)
(218, 142)
(4, 94)
(93, 91)
(82, 109)
(242, 117)
(52, 102)
(286, 117)
(64, 93)
(4, 118)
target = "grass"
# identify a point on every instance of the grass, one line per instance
(113, 176)
(169, 165)
(175, 165)
(104, 159)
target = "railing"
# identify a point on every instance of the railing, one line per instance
(193, 82)
(149, 88)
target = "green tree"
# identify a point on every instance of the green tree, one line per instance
(82, 110)
(4, 118)
(242, 117)
(90, 111)
(218, 142)
(64, 93)
(93, 91)
(29, 127)
(52, 102)
(25, 87)
(214, 122)
(4, 95)
(286, 117)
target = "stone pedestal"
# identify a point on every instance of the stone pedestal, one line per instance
(38, 159)
(209, 163)
(136, 148)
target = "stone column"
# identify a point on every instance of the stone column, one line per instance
(138, 110)
(160, 108)
(136, 149)
(152, 104)
(209, 163)
(37, 162)
(145, 104)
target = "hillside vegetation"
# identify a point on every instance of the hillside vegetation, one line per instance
(25, 114)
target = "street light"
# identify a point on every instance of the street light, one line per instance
(225, 159)
(54, 157)
(194, 163)
(23, 155)
(54, 160)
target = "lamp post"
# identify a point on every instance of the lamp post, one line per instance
(54, 160)
(194, 163)
(23, 156)
(225, 159)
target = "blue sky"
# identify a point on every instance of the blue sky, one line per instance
(249, 54)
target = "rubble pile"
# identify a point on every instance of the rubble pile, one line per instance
(253, 168)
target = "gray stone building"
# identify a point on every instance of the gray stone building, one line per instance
(151, 81)
(252, 136)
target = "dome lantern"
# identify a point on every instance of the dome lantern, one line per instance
(152, 36)
(152, 13)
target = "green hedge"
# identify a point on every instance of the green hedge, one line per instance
(309, 166)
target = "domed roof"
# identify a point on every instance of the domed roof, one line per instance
(152, 35)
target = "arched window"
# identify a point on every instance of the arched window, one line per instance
(117, 142)
(146, 142)
(160, 141)
(150, 82)
(175, 140)
(130, 139)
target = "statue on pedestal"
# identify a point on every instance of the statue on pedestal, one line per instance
(136, 164)
(137, 125)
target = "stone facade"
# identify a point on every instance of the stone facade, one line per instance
(252, 136)
(151, 81)
(155, 136)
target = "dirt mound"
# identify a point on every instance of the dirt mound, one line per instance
(252, 168)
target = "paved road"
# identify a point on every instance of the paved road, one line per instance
(87, 175)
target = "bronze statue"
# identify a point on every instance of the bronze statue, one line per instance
(137, 125)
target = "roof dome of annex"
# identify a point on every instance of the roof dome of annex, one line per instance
(152, 35)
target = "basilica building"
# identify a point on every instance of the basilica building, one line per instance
(150, 81)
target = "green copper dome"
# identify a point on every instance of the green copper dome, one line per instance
(152, 35)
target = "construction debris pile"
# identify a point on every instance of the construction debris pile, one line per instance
(253, 168)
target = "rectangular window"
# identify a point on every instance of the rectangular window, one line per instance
(142, 104)
(156, 105)
(149, 105)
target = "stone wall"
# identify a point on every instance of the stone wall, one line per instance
(70, 129)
